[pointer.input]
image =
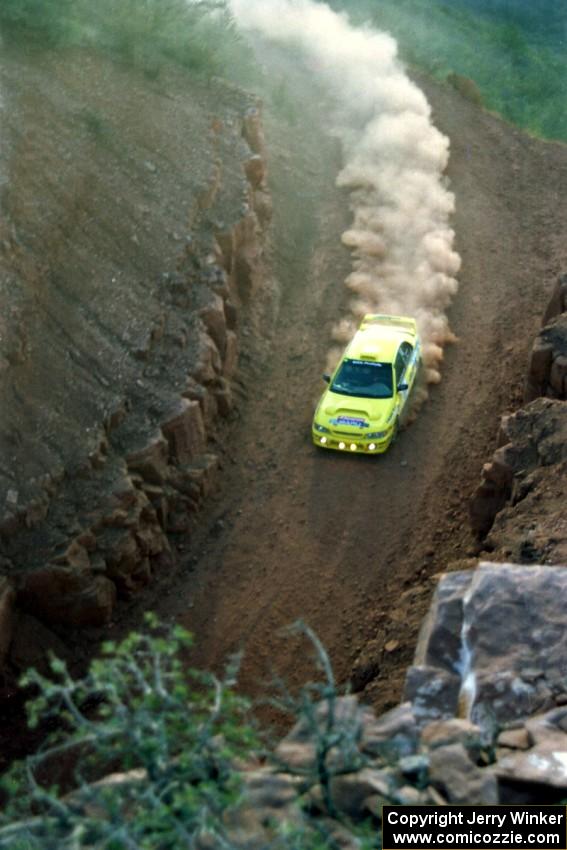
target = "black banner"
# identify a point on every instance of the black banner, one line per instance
(474, 827)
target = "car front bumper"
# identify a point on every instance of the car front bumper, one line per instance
(351, 445)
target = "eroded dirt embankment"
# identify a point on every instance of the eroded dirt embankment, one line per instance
(131, 257)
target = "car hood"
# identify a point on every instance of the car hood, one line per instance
(347, 413)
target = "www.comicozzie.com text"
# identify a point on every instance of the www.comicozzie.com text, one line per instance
(502, 833)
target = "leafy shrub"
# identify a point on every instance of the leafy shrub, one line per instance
(173, 734)
(174, 739)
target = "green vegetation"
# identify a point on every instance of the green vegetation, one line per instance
(136, 710)
(175, 740)
(514, 51)
(198, 35)
(48, 20)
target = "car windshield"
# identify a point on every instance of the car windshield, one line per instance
(364, 378)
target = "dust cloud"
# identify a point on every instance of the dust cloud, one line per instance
(400, 238)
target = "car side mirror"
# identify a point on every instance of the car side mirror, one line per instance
(402, 388)
(327, 378)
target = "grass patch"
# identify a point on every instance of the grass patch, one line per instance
(199, 36)
(514, 53)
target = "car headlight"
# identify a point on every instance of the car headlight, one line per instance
(321, 428)
(376, 435)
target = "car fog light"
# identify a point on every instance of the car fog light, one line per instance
(323, 440)
(372, 446)
(353, 447)
(342, 446)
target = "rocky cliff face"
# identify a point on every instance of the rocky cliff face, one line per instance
(132, 252)
(518, 507)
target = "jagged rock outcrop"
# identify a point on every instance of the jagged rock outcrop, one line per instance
(531, 440)
(534, 529)
(547, 371)
(112, 452)
(493, 645)
(519, 498)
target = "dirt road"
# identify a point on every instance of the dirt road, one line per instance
(350, 543)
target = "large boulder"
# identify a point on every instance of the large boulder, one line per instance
(500, 630)
(350, 792)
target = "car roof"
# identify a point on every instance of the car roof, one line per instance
(379, 338)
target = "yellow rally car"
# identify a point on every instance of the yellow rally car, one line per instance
(368, 391)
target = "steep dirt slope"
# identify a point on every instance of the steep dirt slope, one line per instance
(109, 187)
(348, 543)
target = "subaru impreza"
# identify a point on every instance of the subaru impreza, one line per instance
(368, 393)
